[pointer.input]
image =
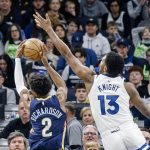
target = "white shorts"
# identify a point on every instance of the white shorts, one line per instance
(124, 138)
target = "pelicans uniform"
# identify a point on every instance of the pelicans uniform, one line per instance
(48, 122)
(109, 102)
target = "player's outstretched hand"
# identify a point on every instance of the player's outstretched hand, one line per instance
(45, 24)
(20, 49)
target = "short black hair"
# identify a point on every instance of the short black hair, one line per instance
(40, 84)
(114, 63)
(82, 51)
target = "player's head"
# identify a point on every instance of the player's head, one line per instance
(40, 85)
(112, 64)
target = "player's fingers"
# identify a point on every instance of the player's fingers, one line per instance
(36, 18)
(40, 17)
(37, 22)
(45, 49)
(47, 17)
(21, 44)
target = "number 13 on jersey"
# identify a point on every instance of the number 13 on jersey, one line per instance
(112, 103)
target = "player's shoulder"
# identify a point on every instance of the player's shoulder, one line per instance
(129, 85)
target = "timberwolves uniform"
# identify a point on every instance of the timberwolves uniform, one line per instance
(48, 121)
(109, 102)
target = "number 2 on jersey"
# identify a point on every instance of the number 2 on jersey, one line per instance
(112, 102)
(47, 123)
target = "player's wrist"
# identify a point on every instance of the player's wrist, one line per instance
(49, 29)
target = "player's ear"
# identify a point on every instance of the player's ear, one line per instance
(33, 94)
(105, 69)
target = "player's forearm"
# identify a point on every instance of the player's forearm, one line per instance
(58, 81)
(19, 80)
(144, 108)
(146, 112)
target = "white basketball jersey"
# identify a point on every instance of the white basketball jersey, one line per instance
(109, 102)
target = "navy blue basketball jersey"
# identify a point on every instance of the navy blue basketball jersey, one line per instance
(48, 123)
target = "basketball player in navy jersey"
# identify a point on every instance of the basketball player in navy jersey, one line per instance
(47, 113)
(109, 96)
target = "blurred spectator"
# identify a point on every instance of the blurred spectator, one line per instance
(90, 134)
(38, 33)
(10, 16)
(61, 32)
(141, 35)
(54, 13)
(22, 5)
(112, 34)
(74, 129)
(37, 6)
(6, 65)
(70, 10)
(14, 38)
(86, 115)
(144, 90)
(1, 44)
(21, 124)
(92, 8)
(123, 49)
(94, 40)
(77, 39)
(91, 59)
(80, 93)
(1, 36)
(10, 94)
(117, 15)
(17, 140)
(146, 66)
(72, 27)
(142, 42)
(137, 10)
(146, 22)
(136, 76)
(50, 55)
(92, 146)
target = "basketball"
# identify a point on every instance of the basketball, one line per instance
(33, 49)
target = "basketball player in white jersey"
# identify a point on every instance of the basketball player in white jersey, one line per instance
(109, 96)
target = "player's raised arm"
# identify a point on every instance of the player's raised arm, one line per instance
(141, 105)
(80, 70)
(57, 79)
(19, 80)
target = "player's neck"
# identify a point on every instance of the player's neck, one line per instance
(42, 97)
